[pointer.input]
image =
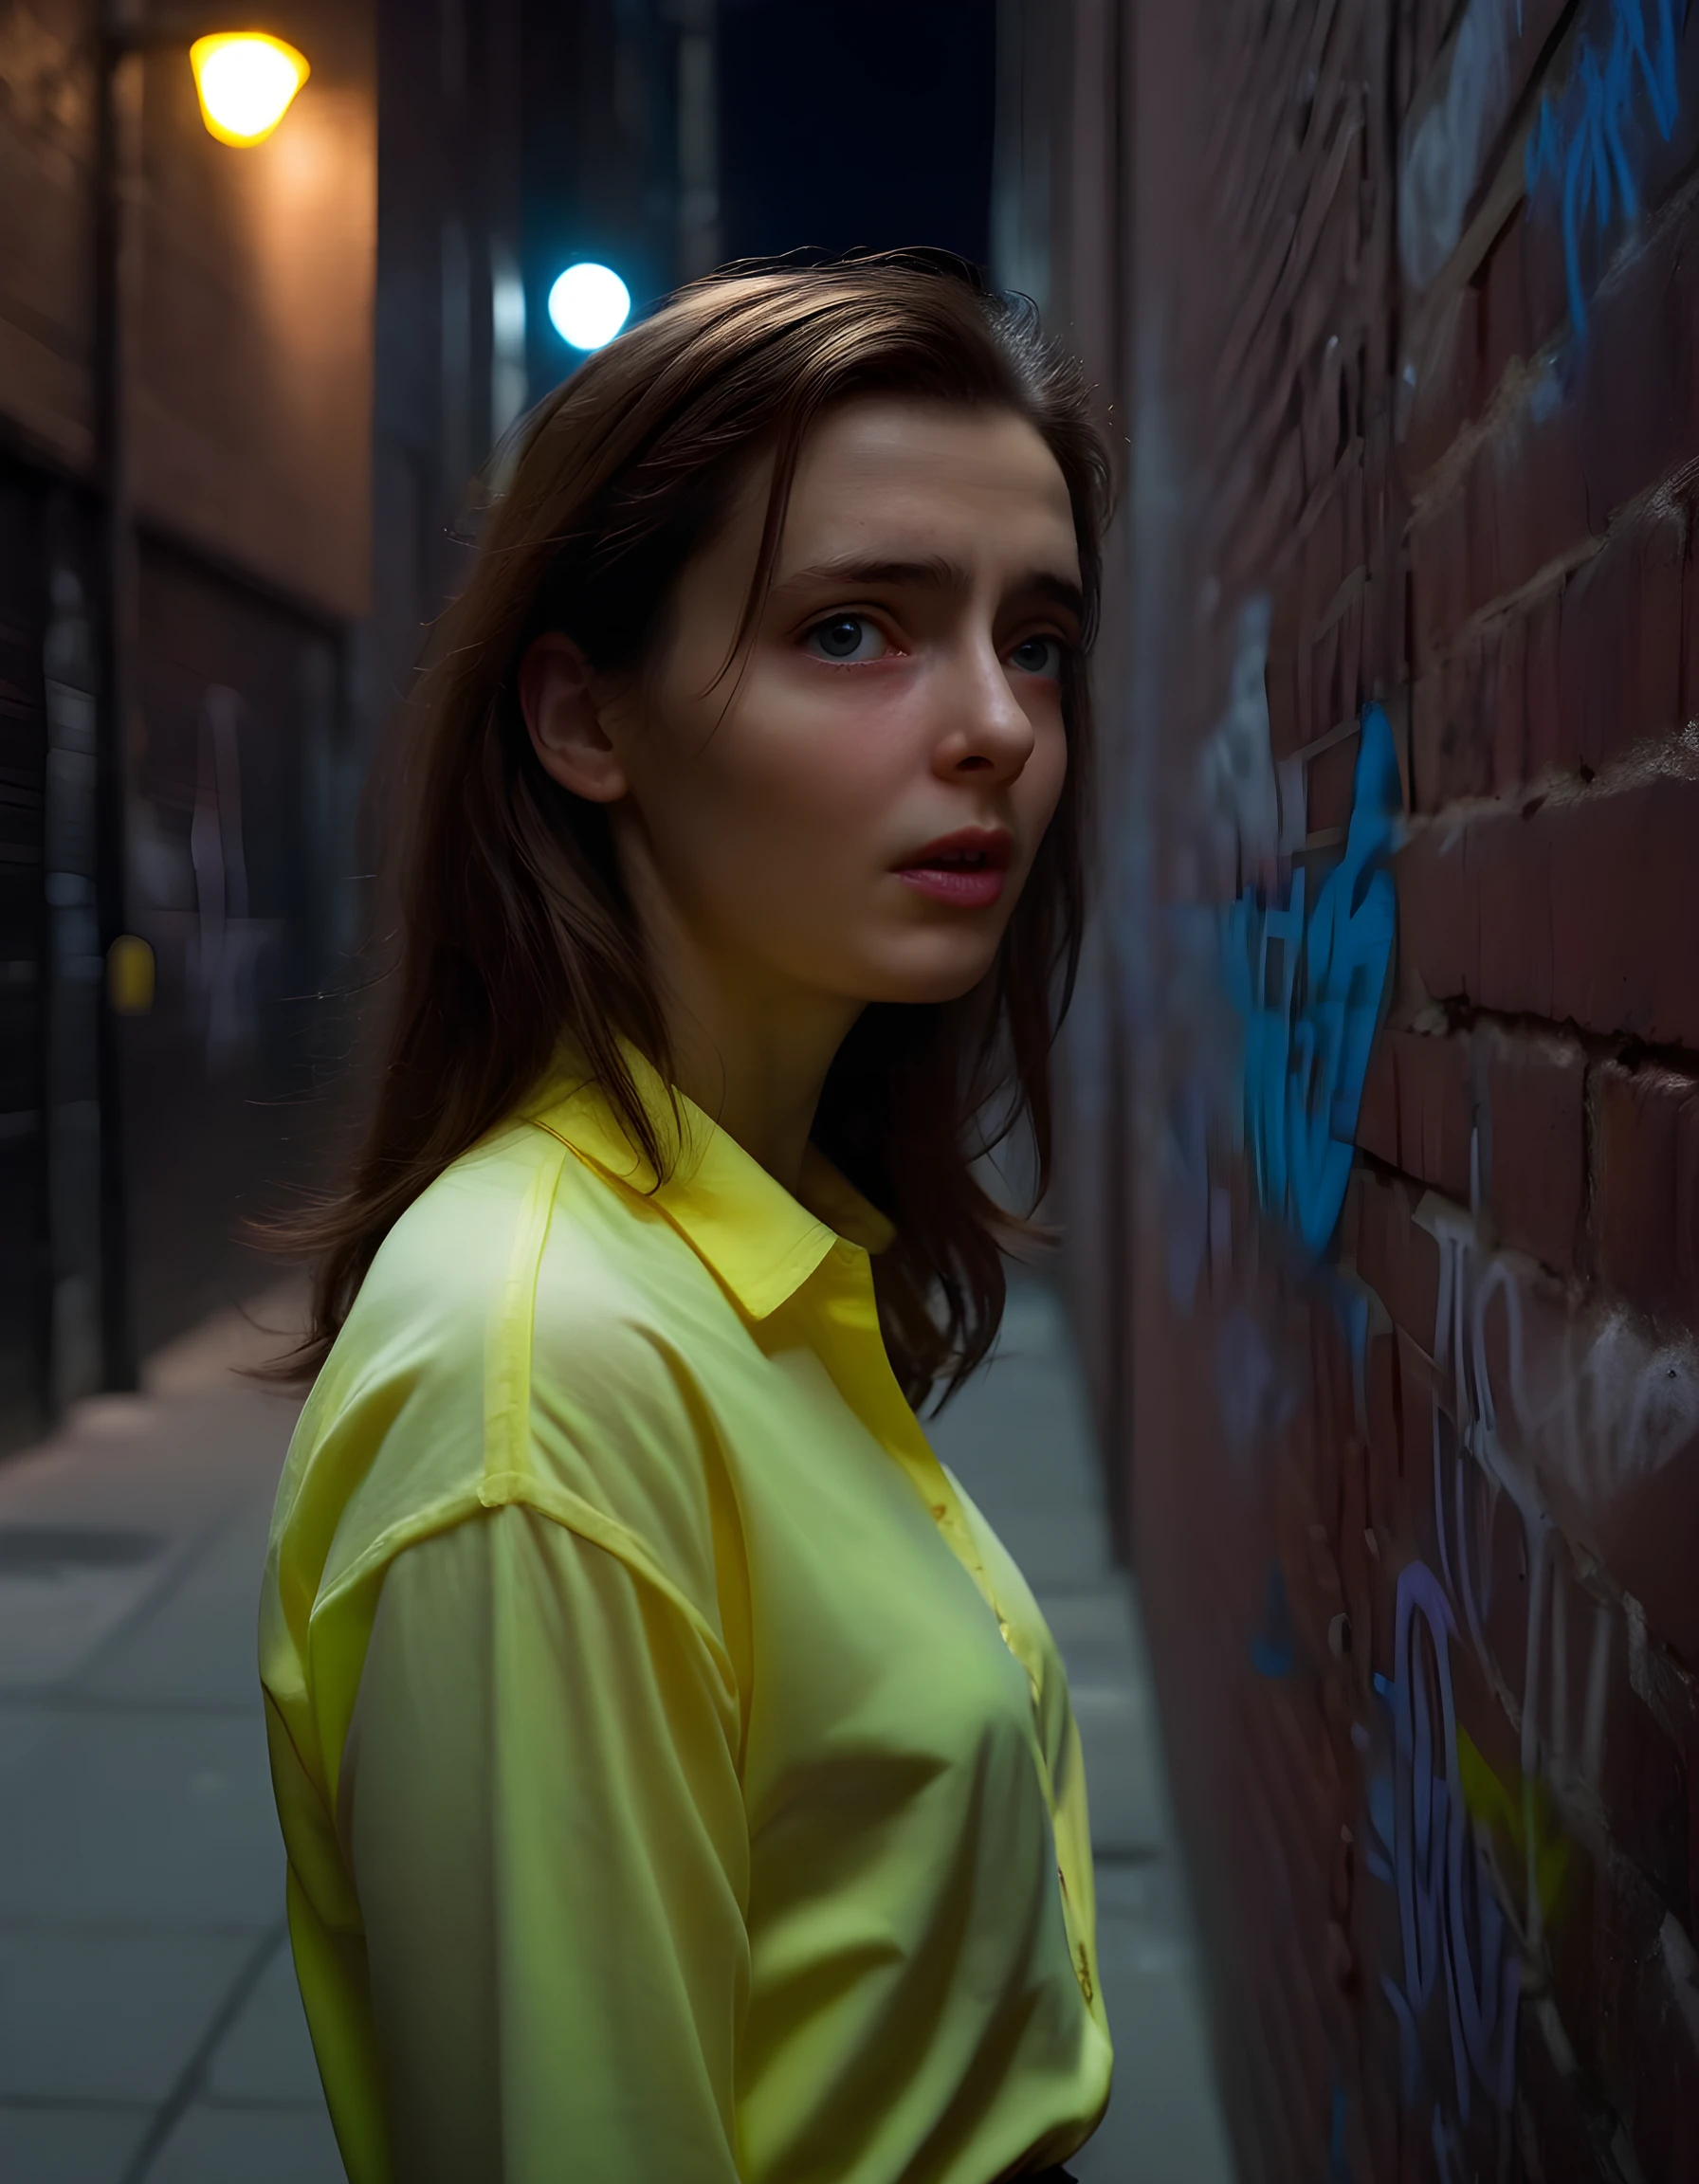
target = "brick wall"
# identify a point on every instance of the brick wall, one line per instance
(1400, 1369)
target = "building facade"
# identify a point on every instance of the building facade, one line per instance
(176, 880)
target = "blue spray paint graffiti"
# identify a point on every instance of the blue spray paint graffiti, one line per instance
(1455, 1938)
(1273, 1649)
(1309, 983)
(1339, 2167)
(1579, 143)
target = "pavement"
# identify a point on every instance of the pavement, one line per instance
(1020, 1438)
(150, 2027)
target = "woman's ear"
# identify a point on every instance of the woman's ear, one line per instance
(563, 714)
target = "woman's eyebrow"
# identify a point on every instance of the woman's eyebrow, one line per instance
(934, 570)
(936, 573)
(1063, 591)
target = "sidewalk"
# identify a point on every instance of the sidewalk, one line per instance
(1020, 1438)
(149, 2023)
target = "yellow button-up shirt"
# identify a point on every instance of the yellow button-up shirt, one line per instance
(678, 1779)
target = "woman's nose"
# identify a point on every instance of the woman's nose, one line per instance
(985, 728)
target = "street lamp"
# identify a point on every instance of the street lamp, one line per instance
(246, 81)
(587, 305)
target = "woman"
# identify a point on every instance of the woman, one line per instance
(678, 1779)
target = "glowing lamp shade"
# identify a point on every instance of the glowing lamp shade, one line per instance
(587, 305)
(246, 81)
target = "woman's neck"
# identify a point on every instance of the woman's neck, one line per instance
(750, 1051)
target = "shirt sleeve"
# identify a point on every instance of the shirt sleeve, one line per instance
(540, 1806)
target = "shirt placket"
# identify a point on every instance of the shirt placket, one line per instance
(848, 1304)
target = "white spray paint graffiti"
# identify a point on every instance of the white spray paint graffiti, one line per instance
(1595, 1403)
(1441, 162)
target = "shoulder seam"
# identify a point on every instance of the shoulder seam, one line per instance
(519, 1490)
(510, 1323)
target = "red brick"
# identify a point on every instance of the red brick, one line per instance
(1593, 649)
(1530, 486)
(1621, 664)
(1543, 685)
(1580, 909)
(1503, 319)
(1430, 696)
(1492, 518)
(1639, 335)
(1439, 577)
(1507, 703)
(1453, 724)
(1349, 688)
(1398, 1261)
(1376, 1125)
(1648, 1217)
(1643, 1786)
(1689, 707)
(1630, 2037)
(1624, 908)
(1448, 384)
(1435, 1119)
(1440, 912)
(1555, 2128)
(1331, 781)
(1661, 552)
(1537, 1103)
(1512, 886)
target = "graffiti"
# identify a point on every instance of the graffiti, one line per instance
(1613, 1406)
(1339, 2166)
(1273, 1651)
(1522, 1812)
(193, 896)
(1307, 983)
(1238, 791)
(1579, 147)
(1477, 1856)
(1440, 166)
(1454, 1937)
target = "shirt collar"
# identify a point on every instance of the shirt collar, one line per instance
(762, 1243)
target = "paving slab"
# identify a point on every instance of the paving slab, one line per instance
(185, 1651)
(140, 1865)
(250, 2145)
(46, 2143)
(266, 2056)
(119, 1816)
(108, 2015)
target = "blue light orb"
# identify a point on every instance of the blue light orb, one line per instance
(587, 305)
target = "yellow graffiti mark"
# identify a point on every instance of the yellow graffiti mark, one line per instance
(1524, 1814)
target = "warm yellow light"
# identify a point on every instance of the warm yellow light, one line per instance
(246, 81)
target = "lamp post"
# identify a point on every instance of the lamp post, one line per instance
(245, 81)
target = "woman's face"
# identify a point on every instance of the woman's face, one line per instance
(854, 808)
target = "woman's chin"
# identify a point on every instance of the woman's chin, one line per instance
(927, 982)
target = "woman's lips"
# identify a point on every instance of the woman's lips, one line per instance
(967, 868)
(969, 886)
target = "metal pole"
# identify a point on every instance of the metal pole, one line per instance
(117, 170)
(698, 139)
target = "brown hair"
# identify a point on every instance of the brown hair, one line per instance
(515, 929)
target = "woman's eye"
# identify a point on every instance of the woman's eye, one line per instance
(845, 637)
(1038, 656)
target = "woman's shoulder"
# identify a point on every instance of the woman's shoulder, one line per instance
(473, 1247)
(516, 1339)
